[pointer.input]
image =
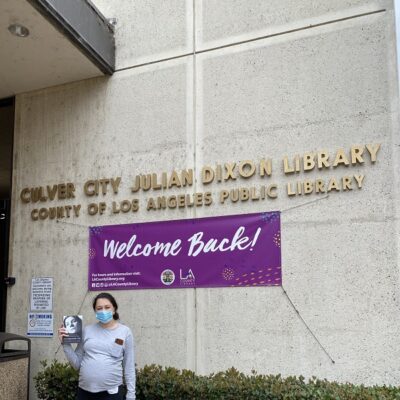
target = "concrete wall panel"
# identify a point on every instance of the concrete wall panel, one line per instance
(306, 92)
(148, 31)
(222, 22)
(326, 87)
(134, 122)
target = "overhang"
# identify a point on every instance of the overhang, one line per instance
(68, 41)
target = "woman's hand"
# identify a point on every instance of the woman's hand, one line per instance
(62, 332)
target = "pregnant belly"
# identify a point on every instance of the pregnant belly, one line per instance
(101, 374)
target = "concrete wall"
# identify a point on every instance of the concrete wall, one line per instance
(219, 81)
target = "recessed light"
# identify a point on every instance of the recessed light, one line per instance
(18, 30)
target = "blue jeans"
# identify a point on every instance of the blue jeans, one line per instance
(85, 395)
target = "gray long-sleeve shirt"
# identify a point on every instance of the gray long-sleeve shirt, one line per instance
(101, 358)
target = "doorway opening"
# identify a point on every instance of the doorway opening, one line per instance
(6, 151)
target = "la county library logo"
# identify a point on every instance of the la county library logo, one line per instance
(187, 277)
(167, 277)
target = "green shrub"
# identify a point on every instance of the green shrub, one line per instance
(56, 381)
(153, 382)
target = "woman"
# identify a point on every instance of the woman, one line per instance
(105, 352)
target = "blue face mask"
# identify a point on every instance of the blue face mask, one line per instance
(104, 316)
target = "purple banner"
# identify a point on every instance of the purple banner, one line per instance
(235, 250)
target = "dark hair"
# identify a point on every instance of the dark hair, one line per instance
(112, 301)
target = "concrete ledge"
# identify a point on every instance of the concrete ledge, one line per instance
(85, 27)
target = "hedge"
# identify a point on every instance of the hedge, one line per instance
(59, 381)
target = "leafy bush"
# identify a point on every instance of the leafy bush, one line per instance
(56, 381)
(155, 382)
(59, 381)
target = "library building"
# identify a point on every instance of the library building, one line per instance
(228, 170)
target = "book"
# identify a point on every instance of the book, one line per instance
(73, 325)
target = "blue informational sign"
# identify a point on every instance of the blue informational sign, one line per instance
(40, 325)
